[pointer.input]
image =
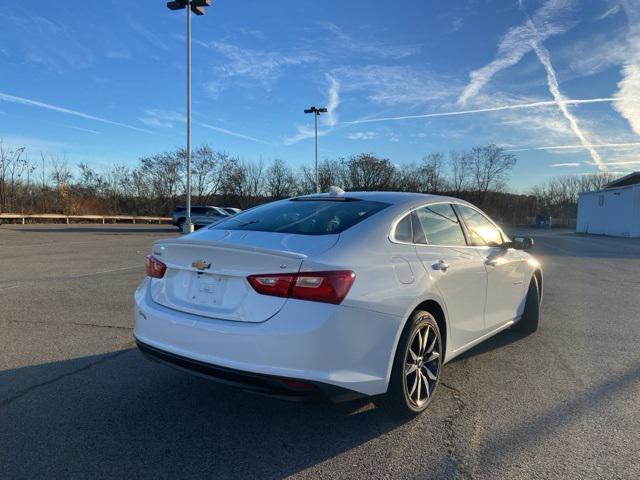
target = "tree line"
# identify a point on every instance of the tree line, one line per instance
(156, 184)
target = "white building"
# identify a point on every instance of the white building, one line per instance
(615, 210)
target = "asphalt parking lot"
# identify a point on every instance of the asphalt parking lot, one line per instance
(77, 400)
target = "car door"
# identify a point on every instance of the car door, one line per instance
(505, 267)
(458, 272)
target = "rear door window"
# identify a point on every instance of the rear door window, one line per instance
(437, 225)
(304, 216)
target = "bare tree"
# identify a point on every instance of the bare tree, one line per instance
(255, 179)
(12, 166)
(490, 168)
(368, 172)
(408, 178)
(330, 173)
(459, 165)
(163, 174)
(280, 180)
(206, 165)
(432, 172)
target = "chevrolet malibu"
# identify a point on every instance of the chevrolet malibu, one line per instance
(336, 295)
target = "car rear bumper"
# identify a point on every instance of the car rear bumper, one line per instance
(256, 383)
(325, 345)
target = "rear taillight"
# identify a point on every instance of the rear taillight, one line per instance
(277, 285)
(327, 287)
(155, 268)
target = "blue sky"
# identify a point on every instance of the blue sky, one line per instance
(556, 81)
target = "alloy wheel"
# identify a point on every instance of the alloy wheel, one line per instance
(422, 365)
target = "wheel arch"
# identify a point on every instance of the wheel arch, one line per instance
(435, 309)
(538, 274)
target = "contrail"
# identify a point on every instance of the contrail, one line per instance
(543, 55)
(573, 147)
(34, 103)
(233, 134)
(517, 106)
(514, 44)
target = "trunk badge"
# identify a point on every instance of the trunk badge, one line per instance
(201, 265)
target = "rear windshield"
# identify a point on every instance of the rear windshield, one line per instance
(304, 217)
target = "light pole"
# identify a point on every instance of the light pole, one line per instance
(316, 113)
(197, 7)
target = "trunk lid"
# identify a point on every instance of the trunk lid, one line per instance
(207, 271)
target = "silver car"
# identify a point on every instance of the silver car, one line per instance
(201, 215)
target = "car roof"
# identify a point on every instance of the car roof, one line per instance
(394, 198)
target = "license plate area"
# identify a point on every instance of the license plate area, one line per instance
(206, 289)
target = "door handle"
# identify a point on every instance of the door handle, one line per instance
(440, 265)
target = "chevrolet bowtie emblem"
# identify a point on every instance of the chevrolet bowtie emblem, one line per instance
(201, 265)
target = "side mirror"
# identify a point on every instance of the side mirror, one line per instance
(522, 243)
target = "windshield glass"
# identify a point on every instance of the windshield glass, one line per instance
(304, 217)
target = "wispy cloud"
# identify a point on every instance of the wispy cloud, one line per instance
(4, 97)
(152, 38)
(516, 106)
(628, 94)
(340, 40)
(623, 145)
(327, 121)
(233, 134)
(396, 85)
(549, 20)
(258, 67)
(162, 118)
(625, 162)
(118, 54)
(362, 136)
(570, 164)
(48, 43)
(595, 53)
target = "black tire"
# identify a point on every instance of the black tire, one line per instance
(531, 315)
(401, 398)
(180, 224)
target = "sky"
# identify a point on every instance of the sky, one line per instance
(556, 82)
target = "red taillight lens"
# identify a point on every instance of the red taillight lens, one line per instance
(327, 287)
(155, 268)
(277, 284)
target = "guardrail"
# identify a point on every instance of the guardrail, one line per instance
(97, 218)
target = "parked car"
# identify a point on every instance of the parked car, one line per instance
(201, 215)
(337, 295)
(231, 210)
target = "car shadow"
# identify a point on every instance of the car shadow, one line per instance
(120, 415)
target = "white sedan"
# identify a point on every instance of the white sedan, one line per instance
(336, 295)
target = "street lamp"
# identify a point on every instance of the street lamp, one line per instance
(316, 113)
(197, 7)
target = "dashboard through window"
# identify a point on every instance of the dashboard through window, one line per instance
(437, 225)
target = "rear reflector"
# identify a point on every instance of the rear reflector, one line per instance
(297, 384)
(326, 287)
(155, 268)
